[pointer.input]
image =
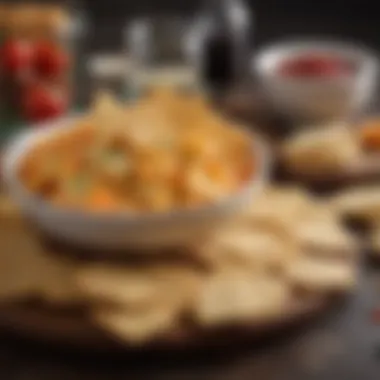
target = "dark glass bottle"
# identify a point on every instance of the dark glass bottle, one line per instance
(221, 39)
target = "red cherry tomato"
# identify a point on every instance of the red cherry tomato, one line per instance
(41, 103)
(17, 57)
(50, 60)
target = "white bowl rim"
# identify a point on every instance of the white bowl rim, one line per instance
(367, 57)
(20, 144)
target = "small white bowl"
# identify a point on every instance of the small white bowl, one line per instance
(121, 230)
(317, 98)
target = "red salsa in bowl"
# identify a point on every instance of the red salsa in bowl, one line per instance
(315, 65)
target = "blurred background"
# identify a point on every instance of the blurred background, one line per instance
(351, 19)
(273, 20)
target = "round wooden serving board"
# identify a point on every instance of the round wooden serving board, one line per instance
(74, 331)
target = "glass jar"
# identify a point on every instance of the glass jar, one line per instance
(39, 61)
(158, 53)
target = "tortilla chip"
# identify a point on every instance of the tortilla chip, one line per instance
(247, 249)
(327, 239)
(362, 203)
(136, 328)
(137, 288)
(318, 275)
(26, 269)
(230, 298)
(321, 150)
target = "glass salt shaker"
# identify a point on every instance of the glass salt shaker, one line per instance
(158, 51)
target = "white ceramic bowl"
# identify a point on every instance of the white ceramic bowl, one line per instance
(121, 230)
(317, 98)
